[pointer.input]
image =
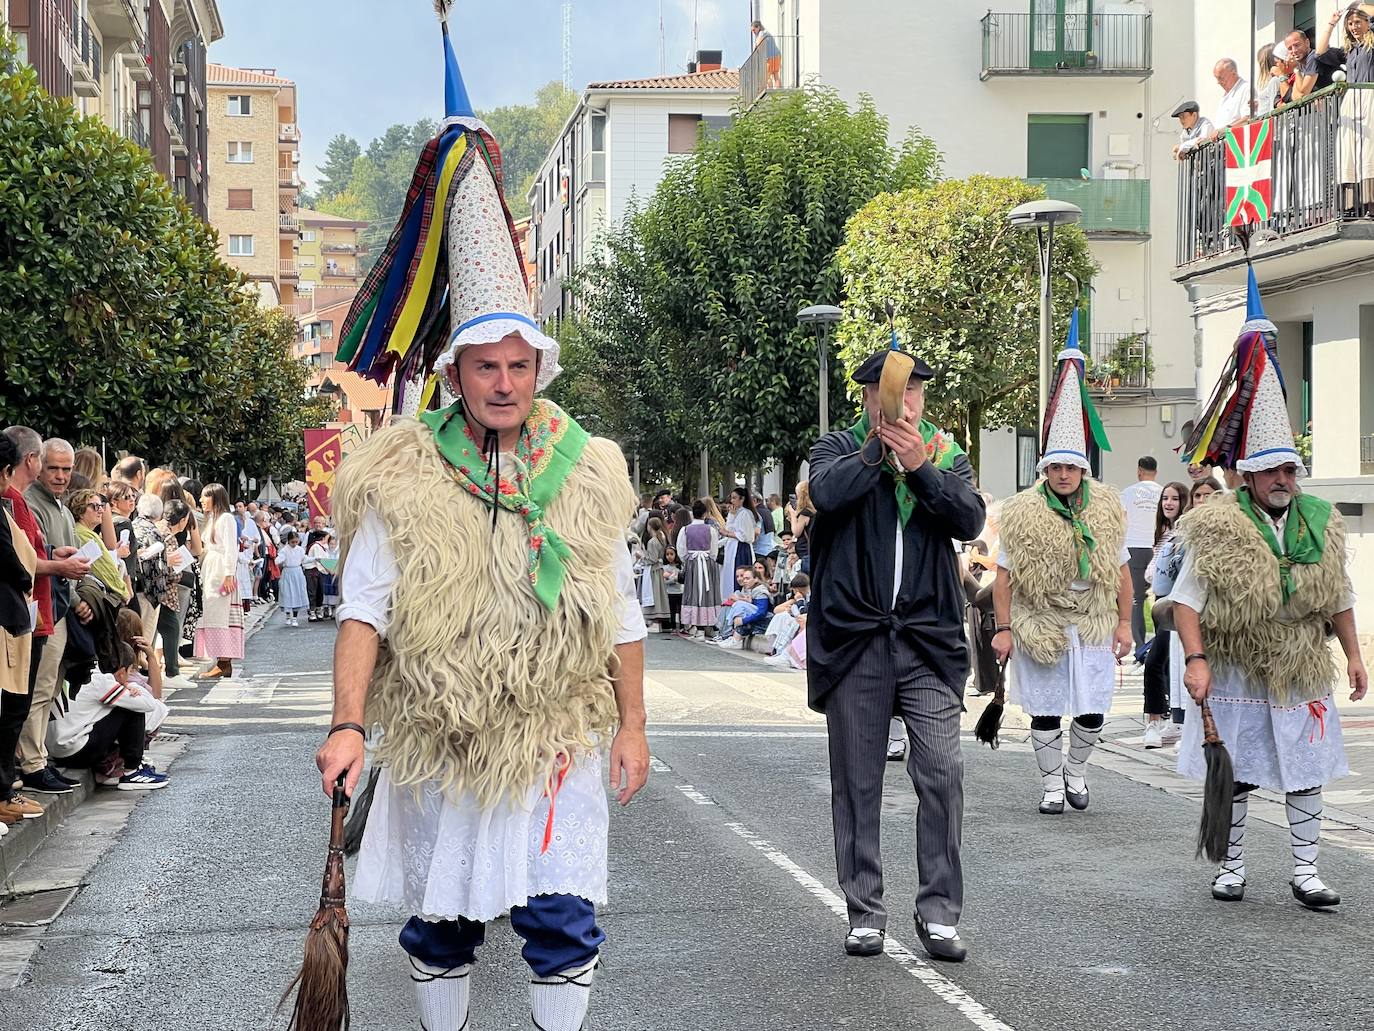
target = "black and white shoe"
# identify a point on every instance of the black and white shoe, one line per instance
(864, 941)
(1315, 895)
(940, 943)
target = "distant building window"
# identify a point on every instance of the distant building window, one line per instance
(240, 105)
(240, 152)
(241, 246)
(592, 166)
(240, 200)
(21, 38)
(682, 133)
(308, 236)
(307, 262)
(327, 330)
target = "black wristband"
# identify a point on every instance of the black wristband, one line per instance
(1194, 655)
(1000, 627)
(346, 726)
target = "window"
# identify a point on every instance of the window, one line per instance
(308, 236)
(241, 246)
(240, 106)
(592, 163)
(306, 262)
(327, 330)
(240, 152)
(1026, 459)
(1057, 146)
(240, 200)
(682, 133)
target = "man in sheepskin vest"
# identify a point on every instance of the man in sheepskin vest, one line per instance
(1263, 585)
(885, 635)
(1063, 593)
(489, 623)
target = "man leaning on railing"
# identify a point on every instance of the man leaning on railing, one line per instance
(1194, 129)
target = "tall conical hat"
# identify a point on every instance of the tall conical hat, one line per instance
(451, 275)
(1070, 418)
(1245, 425)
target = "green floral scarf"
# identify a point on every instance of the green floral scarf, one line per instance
(1304, 535)
(1072, 509)
(941, 451)
(550, 445)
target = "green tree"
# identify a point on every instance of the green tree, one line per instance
(116, 314)
(525, 132)
(337, 169)
(737, 238)
(966, 290)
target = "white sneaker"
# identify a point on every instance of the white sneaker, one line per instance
(1172, 733)
(779, 659)
(733, 643)
(896, 751)
(1154, 737)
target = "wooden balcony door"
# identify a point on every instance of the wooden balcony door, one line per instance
(1061, 33)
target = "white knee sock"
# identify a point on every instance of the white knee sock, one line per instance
(441, 993)
(1232, 869)
(1081, 742)
(559, 1002)
(1049, 755)
(1304, 829)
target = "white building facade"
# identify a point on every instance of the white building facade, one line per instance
(609, 158)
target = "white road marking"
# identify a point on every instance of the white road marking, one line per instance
(658, 765)
(696, 796)
(240, 692)
(972, 1010)
(736, 733)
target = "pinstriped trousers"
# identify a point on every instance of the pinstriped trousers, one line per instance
(890, 679)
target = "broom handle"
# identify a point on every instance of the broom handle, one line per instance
(332, 890)
(1000, 694)
(1209, 725)
(337, 814)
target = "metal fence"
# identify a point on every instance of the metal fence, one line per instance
(133, 128)
(1119, 361)
(773, 64)
(1321, 171)
(1109, 205)
(1072, 43)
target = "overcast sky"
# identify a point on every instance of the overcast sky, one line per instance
(362, 65)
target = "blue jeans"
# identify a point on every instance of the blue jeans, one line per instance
(560, 933)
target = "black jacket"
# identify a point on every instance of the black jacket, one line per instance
(853, 550)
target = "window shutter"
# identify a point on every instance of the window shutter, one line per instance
(240, 200)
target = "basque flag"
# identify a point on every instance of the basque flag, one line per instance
(1249, 172)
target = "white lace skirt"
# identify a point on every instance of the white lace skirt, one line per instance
(442, 860)
(1276, 747)
(1080, 683)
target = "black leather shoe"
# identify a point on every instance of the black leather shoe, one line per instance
(46, 781)
(864, 945)
(1323, 898)
(1228, 892)
(949, 950)
(1051, 808)
(63, 777)
(1077, 799)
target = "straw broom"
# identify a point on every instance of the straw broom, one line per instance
(321, 986)
(990, 722)
(1214, 833)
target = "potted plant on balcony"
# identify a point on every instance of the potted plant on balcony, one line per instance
(1128, 362)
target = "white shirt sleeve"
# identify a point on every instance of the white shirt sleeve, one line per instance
(368, 577)
(1189, 588)
(632, 626)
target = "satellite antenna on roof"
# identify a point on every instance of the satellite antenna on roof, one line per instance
(567, 44)
(662, 43)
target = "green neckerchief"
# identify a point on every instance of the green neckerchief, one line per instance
(1304, 535)
(550, 445)
(1084, 544)
(941, 451)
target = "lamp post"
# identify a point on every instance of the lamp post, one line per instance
(823, 318)
(1043, 216)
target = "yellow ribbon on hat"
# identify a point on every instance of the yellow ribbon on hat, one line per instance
(409, 320)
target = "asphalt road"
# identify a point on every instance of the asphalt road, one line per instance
(723, 889)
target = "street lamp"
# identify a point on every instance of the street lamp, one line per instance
(1043, 216)
(823, 317)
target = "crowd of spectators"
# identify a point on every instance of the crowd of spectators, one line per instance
(109, 580)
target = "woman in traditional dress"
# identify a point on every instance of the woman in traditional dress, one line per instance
(294, 597)
(741, 528)
(220, 631)
(653, 595)
(697, 544)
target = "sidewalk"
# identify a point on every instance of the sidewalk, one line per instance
(26, 838)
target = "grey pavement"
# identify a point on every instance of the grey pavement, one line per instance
(722, 883)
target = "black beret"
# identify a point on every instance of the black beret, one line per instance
(1183, 108)
(871, 371)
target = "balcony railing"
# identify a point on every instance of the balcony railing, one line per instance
(133, 128)
(288, 133)
(773, 64)
(1111, 207)
(335, 272)
(1320, 170)
(287, 176)
(1119, 361)
(339, 248)
(288, 223)
(86, 59)
(288, 269)
(1067, 44)
(178, 119)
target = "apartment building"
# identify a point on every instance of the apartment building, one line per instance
(138, 65)
(330, 249)
(1073, 95)
(1313, 258)
(611, 154)
(254, 146)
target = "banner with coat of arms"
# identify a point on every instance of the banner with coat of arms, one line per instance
(1249, 172)
(322, 456)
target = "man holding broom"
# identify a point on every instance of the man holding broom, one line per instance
(1263, 584)
(489, 622)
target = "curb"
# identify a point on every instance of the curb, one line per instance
(27, 836)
